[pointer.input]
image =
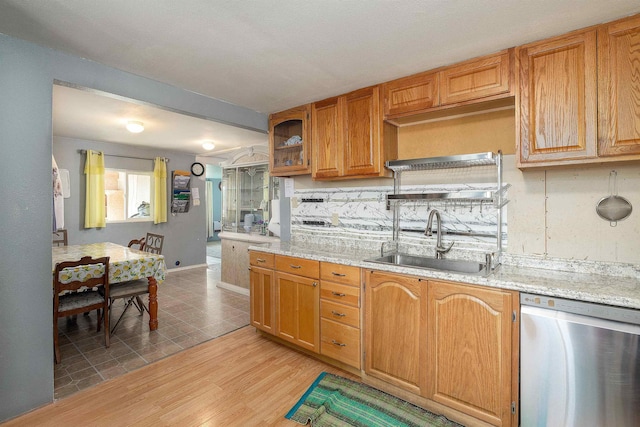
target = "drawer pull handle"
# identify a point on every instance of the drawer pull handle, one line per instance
(339, 344)
(338, 294)
(337, 313)
(338, 274)
(295, 266)
(261, 260)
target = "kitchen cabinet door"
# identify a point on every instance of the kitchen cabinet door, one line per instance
(327, 126)
(262, 299)
(362, 132)
(485, 78)
(395, 330)
(290, 142)
(556, 116)
(350, 138)
(619, 88)
(298, 310)
(410, 95)
(472, 337)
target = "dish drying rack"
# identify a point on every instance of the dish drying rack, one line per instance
(494, 196)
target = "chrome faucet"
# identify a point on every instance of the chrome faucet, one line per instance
(440, 250)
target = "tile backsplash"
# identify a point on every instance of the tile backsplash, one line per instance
(358, 218)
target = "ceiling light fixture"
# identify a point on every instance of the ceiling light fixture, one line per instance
(135, 127)
(208, 146)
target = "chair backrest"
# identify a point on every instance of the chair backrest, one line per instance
(153, 243)
(60, 238)
(86, 273)
(137, 244)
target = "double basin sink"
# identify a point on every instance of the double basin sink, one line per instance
(448, 265)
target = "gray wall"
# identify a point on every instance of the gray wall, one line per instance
(185, 233)
(27, 72)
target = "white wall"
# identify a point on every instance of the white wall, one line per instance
(553, 212)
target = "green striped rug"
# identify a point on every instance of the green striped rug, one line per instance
(336, 401)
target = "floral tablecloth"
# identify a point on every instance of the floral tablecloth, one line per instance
(124, 263)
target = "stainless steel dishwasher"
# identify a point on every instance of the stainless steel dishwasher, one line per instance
(579, 364)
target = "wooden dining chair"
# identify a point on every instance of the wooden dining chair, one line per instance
(60, 238)
(133, 290)
(137, 244)
(75, 284)
(153, 243)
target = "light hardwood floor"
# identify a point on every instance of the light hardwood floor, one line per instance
(240, 379)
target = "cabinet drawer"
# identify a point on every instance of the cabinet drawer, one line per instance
(340, 342)
(340, 313)
(261, 259)
(340, 273)
(343, 294)
(298, 266)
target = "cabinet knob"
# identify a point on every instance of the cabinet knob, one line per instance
(337, 313)
(338, 294)
(314, 284)
(339, 344)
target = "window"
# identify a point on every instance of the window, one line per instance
(128, 195)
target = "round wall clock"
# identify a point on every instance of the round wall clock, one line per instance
(197, 168)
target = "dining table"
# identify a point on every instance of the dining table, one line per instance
(125, 264)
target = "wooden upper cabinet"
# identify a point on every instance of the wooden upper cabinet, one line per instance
(619, 88)
(327, 138)
(556, 117)
(290, 142)
(481, 78)
(472, 351)
(350, 139)
(411, 94)
(362, 132)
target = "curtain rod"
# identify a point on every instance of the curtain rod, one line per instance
(164, 159)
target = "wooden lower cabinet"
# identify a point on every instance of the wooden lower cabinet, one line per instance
(452, 346)
(298, 310)
(395, 330)
(471, 333)
(262, 299)
(340, 313)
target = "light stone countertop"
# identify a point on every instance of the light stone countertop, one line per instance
(247, 237)
(593, 286)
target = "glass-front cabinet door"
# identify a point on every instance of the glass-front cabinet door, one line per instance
(229, 202)
(246, 195)
(289, 142)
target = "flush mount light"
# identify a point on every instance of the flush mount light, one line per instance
(208, 146)
(135, 127)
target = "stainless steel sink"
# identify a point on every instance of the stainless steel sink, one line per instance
(449, 265)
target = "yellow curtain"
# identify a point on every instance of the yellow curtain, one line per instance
(160, 191)
(94, 212)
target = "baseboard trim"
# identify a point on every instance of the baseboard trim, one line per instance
(188, 267)
(232, 288)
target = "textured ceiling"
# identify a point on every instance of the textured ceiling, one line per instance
(270, 55)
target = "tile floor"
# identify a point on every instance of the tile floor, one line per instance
(191, 310)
